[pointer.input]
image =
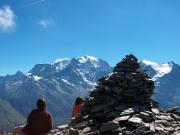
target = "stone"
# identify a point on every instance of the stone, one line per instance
(127, 111)
(149, 133)
(175, 116)
(117, 91)
(135, 120)
(159, 128)
(92, 133)
(162, 132)
(73, 131)
(112, 115)
(121, 119)
(177, 133)
(87, 129)
(145, 117)
(120, 107)
(163, 117)
(98, 108)
(129, 76)
(111, 125)
(155, 111)
(111, 102)
(62, 127)
(170, 129)
(152, 127)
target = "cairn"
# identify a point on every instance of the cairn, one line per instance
(128, 86)
(121, 104)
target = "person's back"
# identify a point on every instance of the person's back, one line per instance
(77, 107)
(38, 122)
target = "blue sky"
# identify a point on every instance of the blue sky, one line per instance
(39, 31)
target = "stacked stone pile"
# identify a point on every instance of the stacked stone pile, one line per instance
(121, 104)
(128, 123)
(128, 84)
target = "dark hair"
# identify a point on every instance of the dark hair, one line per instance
(79, 100)
(41, 104)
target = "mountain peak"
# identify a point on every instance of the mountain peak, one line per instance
(82, 59)
(60, 60)
(86, 58)
(161, 69)
(19, 73)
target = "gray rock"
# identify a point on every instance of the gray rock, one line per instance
(112, 115)
(155, 111)
(152, 127)
(162, 132)
(164, 117)
(73, 131)
(63, 127)
(127, 111)
(123, 118)
(169, 129)
(117, 91)
(135, 120)
(87, 129)
(176, 117)
(120, 107)
(111, 101)
(145, 117)
(108, 126)
(97, 108)
(92, 133)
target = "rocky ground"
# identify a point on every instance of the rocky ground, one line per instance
(130, 122)
(121, 104)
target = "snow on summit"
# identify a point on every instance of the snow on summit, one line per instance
(61, 63)
(84, 59)
(61, 60)
(161, 69)
(94, 61)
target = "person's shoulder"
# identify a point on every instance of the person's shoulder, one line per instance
(34, 111)
(48, 113)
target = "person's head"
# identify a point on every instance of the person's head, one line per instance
(79, 100)
(41, 104)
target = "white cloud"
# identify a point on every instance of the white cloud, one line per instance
(45, 23)
(7, 18)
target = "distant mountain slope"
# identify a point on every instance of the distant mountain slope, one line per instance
(167, 78)
(9, 117)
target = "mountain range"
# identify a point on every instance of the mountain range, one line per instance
(62, 80)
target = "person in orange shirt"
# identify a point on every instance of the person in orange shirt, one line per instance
(77, 107)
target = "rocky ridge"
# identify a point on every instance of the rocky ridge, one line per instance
(121, 104)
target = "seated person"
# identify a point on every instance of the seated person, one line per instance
(39, 121)
(77, 107)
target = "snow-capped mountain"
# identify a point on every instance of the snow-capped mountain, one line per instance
(160, 69)
(167, 80)
(62, 80)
